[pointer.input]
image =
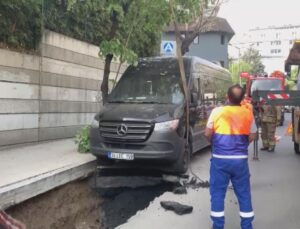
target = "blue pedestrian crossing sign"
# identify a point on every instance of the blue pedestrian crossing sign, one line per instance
(168, 48)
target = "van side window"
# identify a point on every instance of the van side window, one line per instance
(196, 85)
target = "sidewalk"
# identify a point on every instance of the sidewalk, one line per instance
(28, 171)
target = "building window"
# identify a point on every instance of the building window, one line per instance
(222, 39)
(275, 42)
(275, 51)
(277, 35)
(257, 44)
(222, 63)
(196, 40)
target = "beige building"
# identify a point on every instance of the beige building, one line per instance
(273, 44)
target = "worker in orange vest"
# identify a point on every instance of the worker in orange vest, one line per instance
(230, 129)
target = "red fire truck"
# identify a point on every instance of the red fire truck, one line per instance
(274, 82)
(287, 98)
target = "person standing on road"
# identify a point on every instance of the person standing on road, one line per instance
(230, 129)
(270, 118)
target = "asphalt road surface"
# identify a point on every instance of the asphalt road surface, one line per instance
(275, 191)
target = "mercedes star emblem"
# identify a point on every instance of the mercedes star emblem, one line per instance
(122, 130)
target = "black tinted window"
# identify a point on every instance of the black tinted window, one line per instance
(156, 81)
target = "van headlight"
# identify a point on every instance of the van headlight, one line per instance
(95, 124)
(169, 125)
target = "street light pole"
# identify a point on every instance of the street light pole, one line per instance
(239, 61)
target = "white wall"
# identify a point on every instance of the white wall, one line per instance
(52, 95)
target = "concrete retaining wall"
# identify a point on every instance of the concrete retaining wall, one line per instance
(51, 95)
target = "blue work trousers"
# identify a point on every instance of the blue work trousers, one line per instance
(221, 172)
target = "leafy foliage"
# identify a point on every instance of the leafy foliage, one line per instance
(196, 15)
(82, 139)
(294, 72)
(136, 28)
(18, 29)
(290, 82)
(119, 50)
(253, 58)
(236, 68)
(84, 20)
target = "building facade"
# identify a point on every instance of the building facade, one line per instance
(273, 44)
(211, 45)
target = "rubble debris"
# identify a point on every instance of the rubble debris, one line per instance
(194, 183)
(180, 190)
(179, 209)
(171, 178)
(185, 176)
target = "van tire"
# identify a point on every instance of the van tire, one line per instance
(296, 148)
(183, 163)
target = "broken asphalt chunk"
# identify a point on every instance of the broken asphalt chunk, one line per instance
(180, 190)
(178, 208)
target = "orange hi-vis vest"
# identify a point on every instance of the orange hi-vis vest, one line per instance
(231, 127)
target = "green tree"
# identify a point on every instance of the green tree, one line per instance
(290, 82)
(85, 20)
(236, 68)
(20, 23)
(253, 58)
(134, 30)
(294, 72)
(196, 16)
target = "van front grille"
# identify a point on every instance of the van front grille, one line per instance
(125, 131)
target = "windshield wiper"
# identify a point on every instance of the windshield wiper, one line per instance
(117, 101)
(152, 102)
(136, 101)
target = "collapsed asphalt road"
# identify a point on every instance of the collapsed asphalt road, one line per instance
(117, 209)
(275, 181)
(275, 187)
(125, 192)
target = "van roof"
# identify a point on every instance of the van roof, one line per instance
(193, 59)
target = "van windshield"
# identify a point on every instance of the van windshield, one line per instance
(265, 85)
(149, 82)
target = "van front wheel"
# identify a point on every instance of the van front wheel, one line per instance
(182, 165)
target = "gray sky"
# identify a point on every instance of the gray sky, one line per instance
(246, 14)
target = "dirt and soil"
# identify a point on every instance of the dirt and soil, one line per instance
(72, 206)
(79, 205)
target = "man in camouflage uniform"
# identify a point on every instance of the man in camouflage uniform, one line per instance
(270, 118)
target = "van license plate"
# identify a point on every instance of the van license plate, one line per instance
(121, 156)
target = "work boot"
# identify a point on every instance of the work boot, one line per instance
(264, 148)
(271, 149)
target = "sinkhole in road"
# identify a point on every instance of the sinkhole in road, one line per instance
(117, 209)
(130, 193)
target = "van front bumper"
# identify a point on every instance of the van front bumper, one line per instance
(160, 147)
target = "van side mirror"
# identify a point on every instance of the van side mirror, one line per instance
(194, 98)
(97, 117)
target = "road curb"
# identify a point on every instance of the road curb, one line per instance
(22, 190)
